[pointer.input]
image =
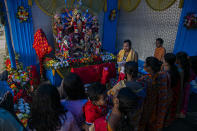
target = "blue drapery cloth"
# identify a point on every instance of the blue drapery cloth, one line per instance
(187, 39)
(110, 28)
(8, 38)
(22, 33)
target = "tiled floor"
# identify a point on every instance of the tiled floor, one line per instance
(190, 122)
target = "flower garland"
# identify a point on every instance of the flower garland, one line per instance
(50, 63)
(190, 21)
(22, 14)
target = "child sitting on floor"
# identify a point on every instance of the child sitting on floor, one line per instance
(95, 107)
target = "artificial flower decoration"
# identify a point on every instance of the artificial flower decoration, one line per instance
(22, 14)
(112, 15)
(58, 63)
(191, 21)
(22, 110)
(20, 80)
(41, 47)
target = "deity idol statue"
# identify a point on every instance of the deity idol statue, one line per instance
(95, 25)
(58, 28)
(65, 47)
(76, 33)
(87, 44)
(79, 25)
(97, 44)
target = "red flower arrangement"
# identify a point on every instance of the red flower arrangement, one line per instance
(41, 47)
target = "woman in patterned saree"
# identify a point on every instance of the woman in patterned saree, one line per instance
(158, 96)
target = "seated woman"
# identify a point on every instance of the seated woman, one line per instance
(125, 55)
(74, 96)
(8, 118)
(47, 113)
(122, 116)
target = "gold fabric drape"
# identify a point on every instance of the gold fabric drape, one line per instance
(50, 7)
(119, 1)
(160, 5)
(181, 3)
(105, 6)
(30, 2)
(129, 5)
(96, 6)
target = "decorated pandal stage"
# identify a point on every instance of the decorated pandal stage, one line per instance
(78, 49)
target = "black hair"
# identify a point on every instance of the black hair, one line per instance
(128, 41)
(193, 62)
(73, 87)
(46, 109)
(128, 105)
(95, 91)
(160, 40)
(8, 104)
(4, 76)
(154, 63)
(170, 58)
(131, 68)
(182, 57)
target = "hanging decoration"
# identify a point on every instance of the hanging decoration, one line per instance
(112, 15)
(41, 47)
(160, 5)
(190, 21)
(22, 14)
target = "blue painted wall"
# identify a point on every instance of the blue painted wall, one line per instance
(187, 39)
(22, 33)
